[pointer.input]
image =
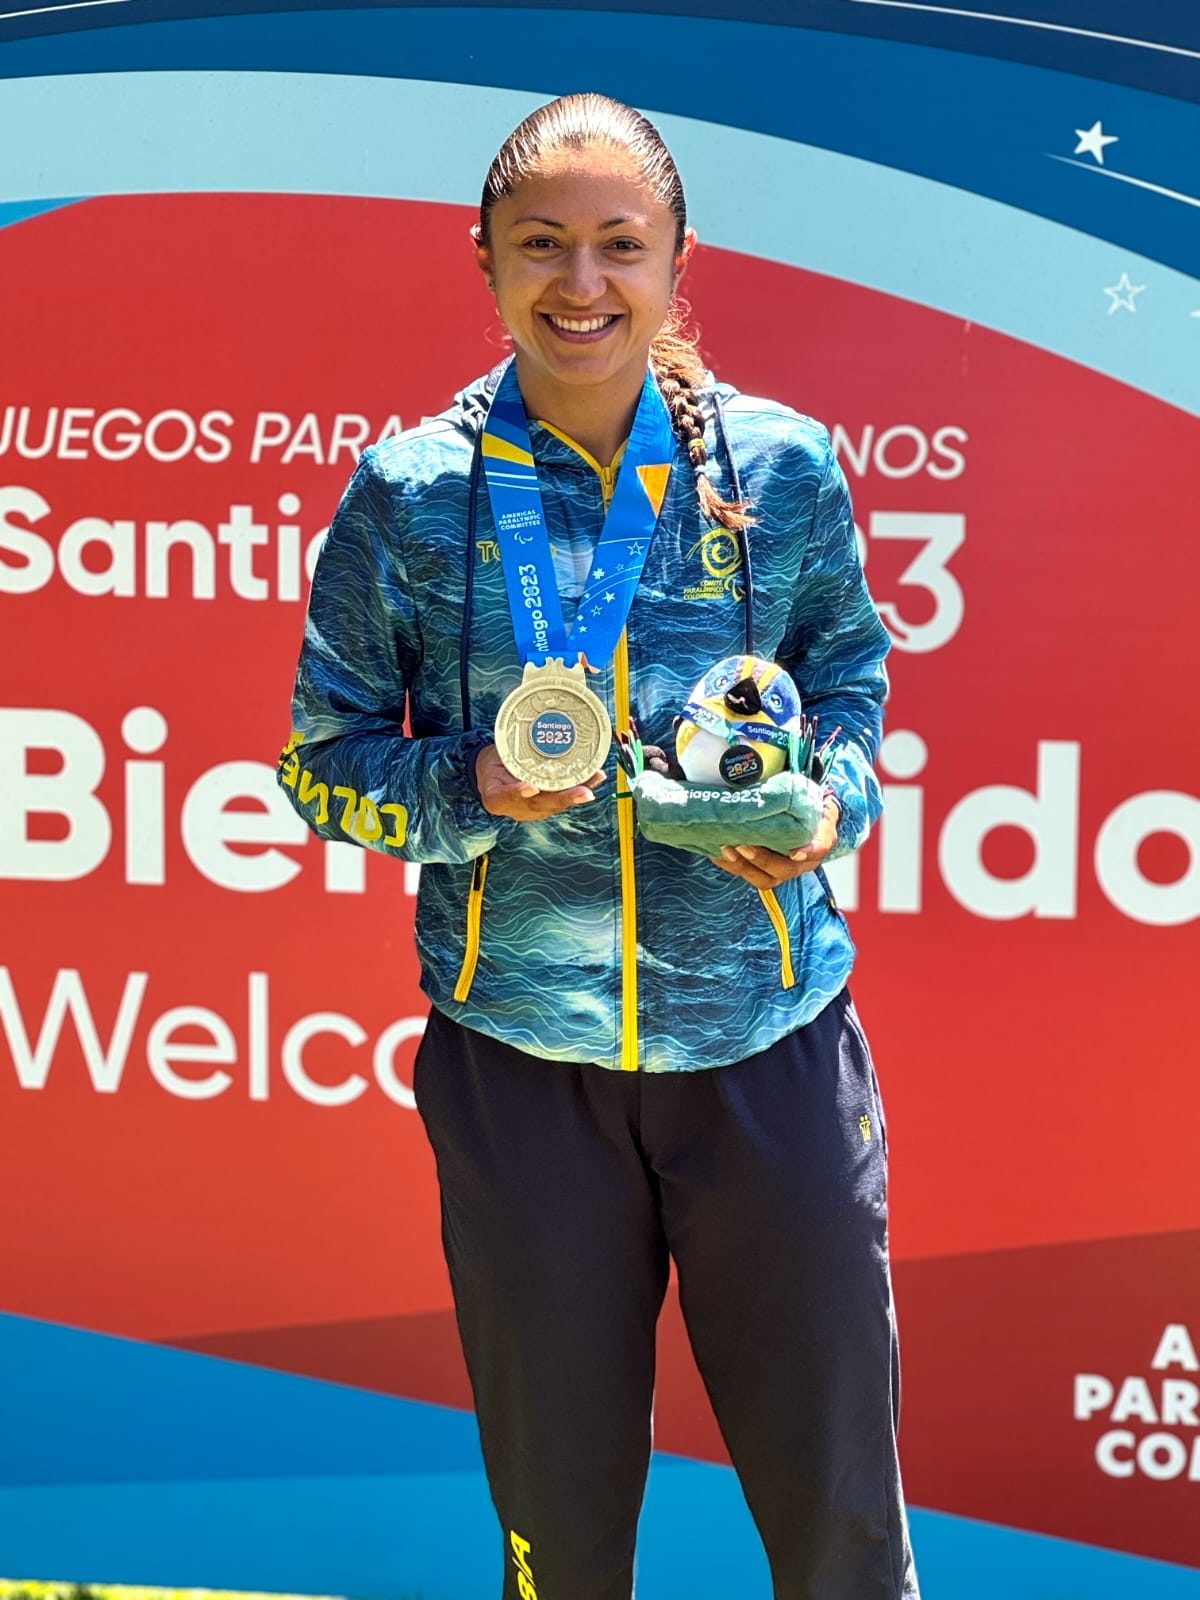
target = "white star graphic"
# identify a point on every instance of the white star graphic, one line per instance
(1123, 293)
(635, 549)
(600, 573)
(609, 598)
(1093, 141)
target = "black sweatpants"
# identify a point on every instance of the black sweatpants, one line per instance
(564, 1190)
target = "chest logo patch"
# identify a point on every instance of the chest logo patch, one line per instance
(721, 561)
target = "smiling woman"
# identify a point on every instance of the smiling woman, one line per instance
(583, 238)
(634, 1053)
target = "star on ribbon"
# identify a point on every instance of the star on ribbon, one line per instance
(635, 549)
(1123, 292)
(1092, 141)
(609, 598)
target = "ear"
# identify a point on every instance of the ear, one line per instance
(483, 256)
(685, 255)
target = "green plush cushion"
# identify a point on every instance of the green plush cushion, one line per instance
(781, 813)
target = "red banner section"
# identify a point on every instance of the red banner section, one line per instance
(208, 1017)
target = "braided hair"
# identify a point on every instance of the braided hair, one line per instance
(577, 122)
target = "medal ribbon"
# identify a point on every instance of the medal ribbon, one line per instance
(620, 553)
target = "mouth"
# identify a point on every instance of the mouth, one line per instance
(580, 330)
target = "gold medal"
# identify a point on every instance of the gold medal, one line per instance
(552, 731)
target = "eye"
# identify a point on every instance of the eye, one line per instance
(541, 242)
(721, 680)
(775, 700)
(626, 246)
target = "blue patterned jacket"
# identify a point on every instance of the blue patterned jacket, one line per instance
(574, 938)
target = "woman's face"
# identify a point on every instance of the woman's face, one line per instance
(584, 264)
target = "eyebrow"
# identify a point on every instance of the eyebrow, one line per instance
(613, 222)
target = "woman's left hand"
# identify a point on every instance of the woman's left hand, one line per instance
(766, 869)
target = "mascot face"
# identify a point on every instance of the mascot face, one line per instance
(735, 727)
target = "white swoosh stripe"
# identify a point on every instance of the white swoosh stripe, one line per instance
(1123, 177)
(1032, 22)
(74, 5)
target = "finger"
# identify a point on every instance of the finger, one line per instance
(819, 846)
(736, 860)
(741, 868)
(508, 798)
(769, 862)
(552, 802)
(499, 780)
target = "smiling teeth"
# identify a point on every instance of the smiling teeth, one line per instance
(584, 325)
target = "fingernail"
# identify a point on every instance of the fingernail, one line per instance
(798, 855)
(729, 853)
(746, 851)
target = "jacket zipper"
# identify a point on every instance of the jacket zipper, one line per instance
(466, 977)
(629, 984)
(779, 922)
(625, 828)
(629, 989)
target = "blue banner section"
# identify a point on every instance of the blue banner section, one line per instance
(1013, 133)
(166, 1414)
(151, 1465)
(1157, 47)
(21, 210)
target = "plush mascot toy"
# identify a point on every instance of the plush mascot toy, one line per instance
(746, 769)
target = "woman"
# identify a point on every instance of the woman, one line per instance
(633, 1053)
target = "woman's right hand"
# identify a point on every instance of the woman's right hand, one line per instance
(506, 796)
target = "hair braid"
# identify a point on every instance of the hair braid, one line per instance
(680, 371)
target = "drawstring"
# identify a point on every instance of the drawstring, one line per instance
(742, 535)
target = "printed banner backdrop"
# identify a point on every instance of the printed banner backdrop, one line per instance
(234, 250)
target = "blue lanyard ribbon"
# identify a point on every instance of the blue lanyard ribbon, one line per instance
(624, 542)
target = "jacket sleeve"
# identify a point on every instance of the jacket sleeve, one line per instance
(834, 648)
(349, 769)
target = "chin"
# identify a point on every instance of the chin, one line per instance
(590, 367)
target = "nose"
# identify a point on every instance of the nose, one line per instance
(582, 277)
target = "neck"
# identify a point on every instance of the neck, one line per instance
(597, 416)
